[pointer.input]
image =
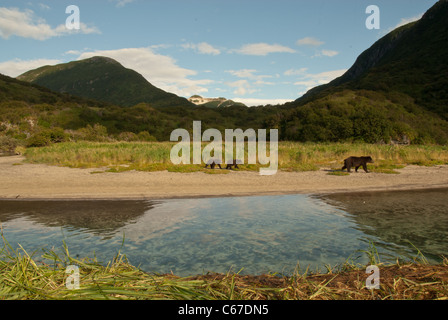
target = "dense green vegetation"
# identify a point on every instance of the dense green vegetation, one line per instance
(37, 117)
(34, 115)
(395, 92)
(361, 115)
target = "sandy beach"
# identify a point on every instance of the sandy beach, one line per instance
(20, 180)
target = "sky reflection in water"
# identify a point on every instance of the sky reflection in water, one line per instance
(260, 234)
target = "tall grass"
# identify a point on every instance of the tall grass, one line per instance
(23, 276)
(292, 156)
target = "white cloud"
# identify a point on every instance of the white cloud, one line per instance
(16, 67)
(202, 48)
(295, 72)
(262, 49)
(44, 6)
(310, 42)
(244, 73)
(73, 52)
(160, 70)
(122, 3)
(329, 53)
(160, 46)
(84, 29)
(243, 87)
(260, 102)
(247, 73)
(310, 80)
(263, 83)
(313, 42)
(326, 53)
(14, 22)
(206, 48)
(404, 21)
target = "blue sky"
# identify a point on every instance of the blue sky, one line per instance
(257, 52)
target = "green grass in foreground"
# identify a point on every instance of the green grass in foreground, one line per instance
(22, 277)
(292, 156)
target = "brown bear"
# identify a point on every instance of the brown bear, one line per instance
(233, 163)
(357, 162)
(213, 163)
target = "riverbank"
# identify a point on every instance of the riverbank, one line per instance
(21, 180)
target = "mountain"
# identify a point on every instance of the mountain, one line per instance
(214, 102)
(395, 92)
(411, 60)
(102, 79)
(32, 115)
(14, 90)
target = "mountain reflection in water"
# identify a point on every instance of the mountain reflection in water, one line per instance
(414, 217)
(260, 233)
(99, 217)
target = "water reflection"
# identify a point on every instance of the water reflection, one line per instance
(401, 217)
(102, 218)
(260, 234)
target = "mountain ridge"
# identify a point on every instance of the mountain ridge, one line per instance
(214, 102)
(103, 79)
(411, 59)
(396, 91)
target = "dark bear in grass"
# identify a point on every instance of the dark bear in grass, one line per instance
(233, 163)
(213, 163)
(357, 162)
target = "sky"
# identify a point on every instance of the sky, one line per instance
(256, 52)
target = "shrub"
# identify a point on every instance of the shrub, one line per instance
(38, 140)
(146, 136)
(128, 136)
(7, 145)
(46, 137)
(95, 133)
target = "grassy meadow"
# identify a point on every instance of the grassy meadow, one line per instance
(292, 156)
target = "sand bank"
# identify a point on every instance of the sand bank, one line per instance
(20, 180)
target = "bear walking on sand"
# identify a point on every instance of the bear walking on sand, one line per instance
(357, 162)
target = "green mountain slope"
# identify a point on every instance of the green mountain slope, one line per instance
(14, 90)
(411, 60)
(34, 115)
(102, 79)
(396, 91)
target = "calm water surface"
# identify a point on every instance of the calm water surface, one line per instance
(260, 234)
